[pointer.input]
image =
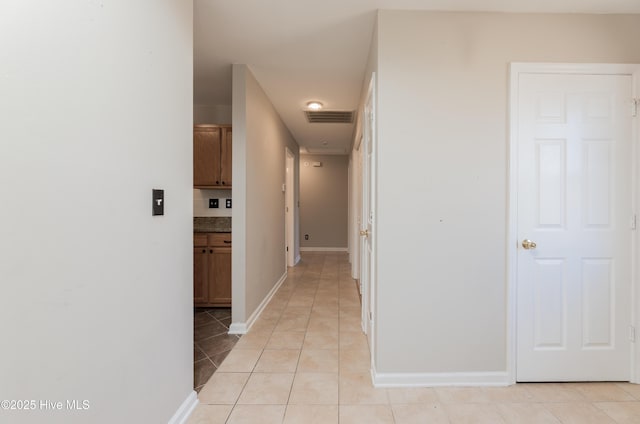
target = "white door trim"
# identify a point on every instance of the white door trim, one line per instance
(368, 219)
(512, 241)
(356, 209)
(289, 224)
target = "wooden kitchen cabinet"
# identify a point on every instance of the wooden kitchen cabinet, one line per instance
(200, 268)
(226, 144)
(212, 269)
(212, 146)
(220, 276)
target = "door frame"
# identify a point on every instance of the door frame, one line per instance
(368, 191)
(355, 210)
(515, 70)
(356, 202)
(289, 218)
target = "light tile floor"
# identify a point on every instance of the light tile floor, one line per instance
(306, 361)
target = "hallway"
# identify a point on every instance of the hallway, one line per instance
(306, 361)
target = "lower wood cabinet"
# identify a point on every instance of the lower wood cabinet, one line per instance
(212, 269)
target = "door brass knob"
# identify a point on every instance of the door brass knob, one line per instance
(364, 233)
(528, 244)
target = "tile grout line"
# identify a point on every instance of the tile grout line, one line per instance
(345, 323)
(206, 355)
(286, 408)
(339, 348)
(272, 330)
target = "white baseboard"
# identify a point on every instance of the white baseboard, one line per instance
(184, 411)
(440, 379)
(298, 258)
(238, 328)
(324, 249)
(243, 327)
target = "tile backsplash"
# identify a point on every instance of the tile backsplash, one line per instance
(201, 202)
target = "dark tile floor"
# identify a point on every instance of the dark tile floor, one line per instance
(211, 342)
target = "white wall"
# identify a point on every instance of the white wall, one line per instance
(442, 174)
(201, 202)
(324, 201)
(212, 114)
(259, 141)
(96, 304)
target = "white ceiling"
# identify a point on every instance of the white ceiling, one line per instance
(301, 50)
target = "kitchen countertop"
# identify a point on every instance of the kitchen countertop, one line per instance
(214, 224)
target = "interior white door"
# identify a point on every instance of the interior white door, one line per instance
(357, 207)
(367, 216)
(575, 204)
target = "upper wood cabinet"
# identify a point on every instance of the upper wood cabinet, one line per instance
(212, 156)
(225, 156)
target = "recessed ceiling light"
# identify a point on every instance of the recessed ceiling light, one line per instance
(314, 105)
(324, 143)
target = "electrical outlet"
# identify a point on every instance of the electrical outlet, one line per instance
(306, 236)
(213, 203)
(228, 204)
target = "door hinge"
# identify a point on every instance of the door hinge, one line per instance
(634, 221)
(632, 333)
(370, 316)
(287, 248)
(634, 107)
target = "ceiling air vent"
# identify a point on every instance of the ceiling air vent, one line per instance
(329, 116)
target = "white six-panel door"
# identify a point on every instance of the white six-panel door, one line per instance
(574, 202)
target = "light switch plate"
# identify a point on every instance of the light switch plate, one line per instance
(158, 202)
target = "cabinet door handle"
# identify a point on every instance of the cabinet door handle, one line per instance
(204, 250)
(217, 182)
(227, 241)
(211, 251)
